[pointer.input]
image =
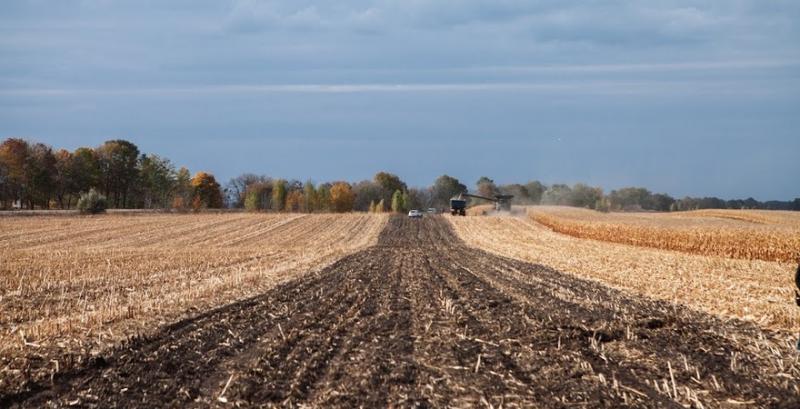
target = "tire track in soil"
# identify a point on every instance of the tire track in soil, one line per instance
(422, 320)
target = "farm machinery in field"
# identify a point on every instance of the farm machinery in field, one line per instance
(458, 204)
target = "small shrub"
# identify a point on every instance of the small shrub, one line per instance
(92, 202)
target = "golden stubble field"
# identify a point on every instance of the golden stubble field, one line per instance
(72, 286)
(367, 310)
(635, 252)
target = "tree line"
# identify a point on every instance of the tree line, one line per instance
(34, 175)
(385, 192)
(624, 199)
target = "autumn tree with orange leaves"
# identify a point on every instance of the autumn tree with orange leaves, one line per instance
(207, 192)
(295, 202)
(342, 197)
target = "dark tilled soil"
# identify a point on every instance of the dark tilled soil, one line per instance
(421, 320)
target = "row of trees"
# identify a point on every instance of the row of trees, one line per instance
(384, 192)
(280, 195)
(34, 175)
(387, 192)
(625, 199)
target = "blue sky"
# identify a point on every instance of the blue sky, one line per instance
(684, 97)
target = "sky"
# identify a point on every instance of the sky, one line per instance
(696, 98)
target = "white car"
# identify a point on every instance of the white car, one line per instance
(415, 214)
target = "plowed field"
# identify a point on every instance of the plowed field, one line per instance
(420, 319)
(71, 287)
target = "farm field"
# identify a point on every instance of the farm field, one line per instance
(74, 286)
(743, 234)
(422, 319)
(754, 290)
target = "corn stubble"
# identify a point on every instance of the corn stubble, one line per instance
(751, 289)
(417, 320)
(73, 286)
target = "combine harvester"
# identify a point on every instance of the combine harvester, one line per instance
(458, 204)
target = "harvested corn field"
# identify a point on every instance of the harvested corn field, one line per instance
(420, 319)
(742, 234)
(72, 286)
(755, 290)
